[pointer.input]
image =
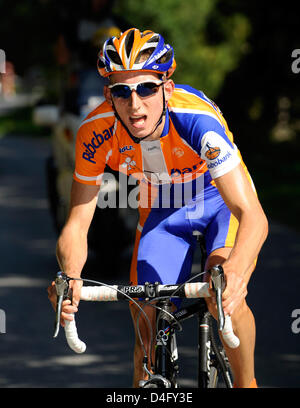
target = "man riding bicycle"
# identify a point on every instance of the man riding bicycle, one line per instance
(176, 142)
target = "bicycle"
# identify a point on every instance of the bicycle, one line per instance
(212, 360)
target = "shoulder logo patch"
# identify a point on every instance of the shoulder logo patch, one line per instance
(212, 152)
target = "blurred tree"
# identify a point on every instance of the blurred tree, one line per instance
(261, 101)
(253, 94)
(26, 32)
(207, 44)
(29, 31)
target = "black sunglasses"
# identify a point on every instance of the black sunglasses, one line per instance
(143, 89)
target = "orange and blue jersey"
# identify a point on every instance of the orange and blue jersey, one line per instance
(176, 179)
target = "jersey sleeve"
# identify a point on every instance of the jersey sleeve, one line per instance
(213, 141)
(220, 154)
(91, 152)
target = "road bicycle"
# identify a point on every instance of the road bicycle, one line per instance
(213, 364)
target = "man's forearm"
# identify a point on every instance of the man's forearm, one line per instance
(71, 251)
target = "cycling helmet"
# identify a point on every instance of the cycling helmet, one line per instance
(124, 53)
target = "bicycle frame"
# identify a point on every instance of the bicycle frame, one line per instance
(165, 359)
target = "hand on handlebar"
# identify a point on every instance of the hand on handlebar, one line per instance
(235, 291)
(234, 288)
(65, 307)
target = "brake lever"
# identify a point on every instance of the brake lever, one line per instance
(218, 282)
(62, 292)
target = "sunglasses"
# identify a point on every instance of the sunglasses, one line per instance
(143, 89)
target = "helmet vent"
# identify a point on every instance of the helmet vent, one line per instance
(129, 42)
(144, 55)
(154, 39)
(166, 57)
(114, 57)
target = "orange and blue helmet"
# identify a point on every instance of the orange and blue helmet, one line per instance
(124, 53)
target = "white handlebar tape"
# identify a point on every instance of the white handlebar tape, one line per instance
(196, 289)
(99, 293)
(228, 335)
(91, 293)
(72, 337)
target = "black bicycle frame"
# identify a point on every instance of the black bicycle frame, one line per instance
(163, 353)
(204, 336)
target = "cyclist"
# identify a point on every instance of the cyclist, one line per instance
(176, 142)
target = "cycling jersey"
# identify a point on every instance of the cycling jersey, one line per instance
(176, 177)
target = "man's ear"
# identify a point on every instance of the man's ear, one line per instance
(107, 94)
(169, 89)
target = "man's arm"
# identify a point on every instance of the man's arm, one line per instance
(242, 201)
(72, 247)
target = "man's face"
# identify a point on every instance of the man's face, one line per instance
(140, 114)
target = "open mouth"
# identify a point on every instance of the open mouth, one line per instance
(138, 121)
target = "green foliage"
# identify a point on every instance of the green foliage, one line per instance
(208, 43)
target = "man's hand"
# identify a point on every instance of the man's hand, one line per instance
(68, 307)
(235, 291)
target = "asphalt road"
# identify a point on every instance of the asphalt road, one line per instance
(30, 357)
